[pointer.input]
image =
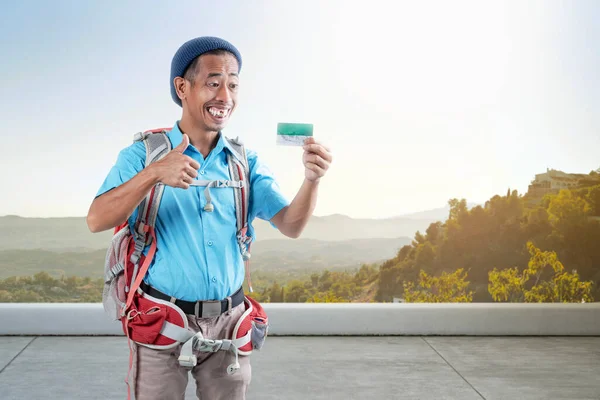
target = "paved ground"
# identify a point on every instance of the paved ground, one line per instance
(332, 368)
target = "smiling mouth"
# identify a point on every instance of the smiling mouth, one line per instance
(218, 112)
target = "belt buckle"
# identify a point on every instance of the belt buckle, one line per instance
(211, 308)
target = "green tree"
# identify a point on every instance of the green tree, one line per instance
(425, 255)
(507, 285)
(44, 279)
(568, 209)
(366, 275)
(314, 278)
(593, 199)
(510, 285)
(447, 288)
(6, 296)
(295, 292)
(434, 232)
(327, 297)
(419, 239)
(325, 281)
(276, 293)
(27, 296)
(457, 208)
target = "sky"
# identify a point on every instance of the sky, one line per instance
(420, 102)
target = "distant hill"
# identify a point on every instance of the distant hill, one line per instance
(435, 214)
(267, 255)
(339, 227)
(55, 234)
(317, 253)
(72, 234)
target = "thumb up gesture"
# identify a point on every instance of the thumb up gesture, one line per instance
(177, 169)
(185, 142)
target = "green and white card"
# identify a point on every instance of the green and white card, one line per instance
(293, 134)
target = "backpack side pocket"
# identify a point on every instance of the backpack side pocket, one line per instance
(260, 331)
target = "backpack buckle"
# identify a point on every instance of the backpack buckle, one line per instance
(142, 228)
(138, 137)
(208, 345)
(138, 249)
(188, 361)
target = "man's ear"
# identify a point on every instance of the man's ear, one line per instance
(181, 87)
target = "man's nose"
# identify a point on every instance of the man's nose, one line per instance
(224, 94)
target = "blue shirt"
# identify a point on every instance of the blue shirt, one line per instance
(198, 256)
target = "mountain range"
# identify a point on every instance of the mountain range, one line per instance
(72, 234)
(65, 245)
(281, 256)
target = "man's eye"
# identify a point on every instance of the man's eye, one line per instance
(234, 85)
(213, 84)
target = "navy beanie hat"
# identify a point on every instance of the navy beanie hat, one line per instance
(194, 48)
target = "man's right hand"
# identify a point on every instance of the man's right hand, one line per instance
(115, 206)
(176, 169)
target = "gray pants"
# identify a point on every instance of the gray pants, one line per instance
(159, 375)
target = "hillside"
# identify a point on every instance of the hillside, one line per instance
(291, 257)
(479, 254)
(496, 234)
(72, 234)
(562, 229)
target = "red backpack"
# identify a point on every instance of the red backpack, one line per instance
(159, 324)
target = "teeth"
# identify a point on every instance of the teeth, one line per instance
(218, 112)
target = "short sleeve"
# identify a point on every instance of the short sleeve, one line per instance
(130, 161)
(266, 197)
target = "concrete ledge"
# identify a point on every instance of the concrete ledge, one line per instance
(473, 319)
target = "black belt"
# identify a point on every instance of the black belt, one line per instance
(201, 309)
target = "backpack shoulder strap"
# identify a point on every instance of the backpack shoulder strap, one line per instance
(239, 148)
(157, 146)
(239, 169)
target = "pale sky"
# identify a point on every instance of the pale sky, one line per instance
(420, 101)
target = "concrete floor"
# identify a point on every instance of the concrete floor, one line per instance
(332, 368)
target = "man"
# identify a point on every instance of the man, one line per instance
(198, 257)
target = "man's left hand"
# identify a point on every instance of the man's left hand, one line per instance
(316, 159)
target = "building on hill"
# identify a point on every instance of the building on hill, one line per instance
(552, 181)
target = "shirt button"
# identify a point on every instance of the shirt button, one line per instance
(214, 279)
(202, 172)
(210, 243)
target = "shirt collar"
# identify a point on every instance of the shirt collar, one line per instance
(176, 137)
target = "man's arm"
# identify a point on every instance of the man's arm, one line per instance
(115, 206)
(292, 220)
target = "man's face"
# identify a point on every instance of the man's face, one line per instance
(213, 96)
